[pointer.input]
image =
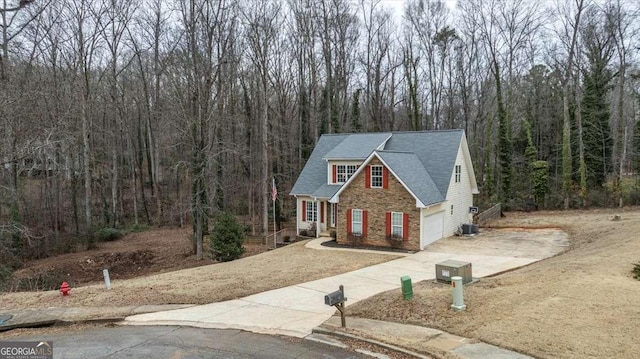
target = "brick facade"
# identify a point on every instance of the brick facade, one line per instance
(377, 202)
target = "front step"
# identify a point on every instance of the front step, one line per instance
(325, 234)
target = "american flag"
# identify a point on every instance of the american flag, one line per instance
(274, 190)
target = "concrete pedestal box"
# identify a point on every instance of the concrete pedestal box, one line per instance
(452, 268)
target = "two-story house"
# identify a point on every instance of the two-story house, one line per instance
(397, 189)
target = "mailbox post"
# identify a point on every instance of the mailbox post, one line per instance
(337, 300)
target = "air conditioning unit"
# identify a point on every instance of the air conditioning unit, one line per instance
(452, 268)
(468, 228)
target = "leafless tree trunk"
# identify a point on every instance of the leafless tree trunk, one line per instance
(86, 35)
(623, 30)
(571, 27)
(261, 24)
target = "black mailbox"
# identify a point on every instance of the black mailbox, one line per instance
(334, 298)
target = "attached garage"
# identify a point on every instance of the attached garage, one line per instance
(432, 228)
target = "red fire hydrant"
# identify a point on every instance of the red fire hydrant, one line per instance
(65, 289)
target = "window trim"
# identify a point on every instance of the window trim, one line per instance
(311, 207)
(376, 176)
(345, 171)
(458, 173)
(400, 226)
(353, 221)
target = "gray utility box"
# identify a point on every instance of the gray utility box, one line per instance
(451, 268)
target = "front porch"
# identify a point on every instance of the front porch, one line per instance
(316, 217)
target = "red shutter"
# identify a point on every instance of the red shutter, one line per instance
(349, 224)
(405, 227)
(304, 211)
(388, 231)
(321, 212)
(385, 178)
(335, 173)
(367, 179)
(364, 223)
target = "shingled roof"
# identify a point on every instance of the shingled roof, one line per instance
(437, 151)
(412, 174)
(422, 161)
(314, 174)
(358, 146)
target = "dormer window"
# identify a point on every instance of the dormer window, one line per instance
(344, 172)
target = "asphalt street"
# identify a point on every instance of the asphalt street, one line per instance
(173, 342)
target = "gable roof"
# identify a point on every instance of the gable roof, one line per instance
(408, 169)
(358, 146)
(422, 161)
(437, 151)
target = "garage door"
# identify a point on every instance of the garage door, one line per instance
(432, 228)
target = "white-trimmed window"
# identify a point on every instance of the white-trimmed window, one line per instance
(311, 211)
(376, 176)
(396, 224)
(344, 172)
(458, 173)
(356, 221)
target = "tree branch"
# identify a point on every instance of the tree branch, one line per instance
(22, 4)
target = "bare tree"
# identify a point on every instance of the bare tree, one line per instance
(571, 24)
(426, 19)
(13, 23)
(86, 44)
(378, 33)
(113, 27)
(261, 24)
(622, 22)
(305, 29)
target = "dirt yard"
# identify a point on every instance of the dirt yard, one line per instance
(582, 303)
(157, 251)
(135, 255)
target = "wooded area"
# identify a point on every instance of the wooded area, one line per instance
(120, 113)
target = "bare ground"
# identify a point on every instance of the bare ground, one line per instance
(135, 255)
(204, 284)
(582, 303)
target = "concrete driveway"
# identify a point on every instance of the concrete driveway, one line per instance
(297, 309)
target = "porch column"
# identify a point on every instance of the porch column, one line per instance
(318, 219)
(298, 216)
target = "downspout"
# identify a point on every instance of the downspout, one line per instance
(422, 211)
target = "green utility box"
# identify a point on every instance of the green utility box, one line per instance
(407, 288)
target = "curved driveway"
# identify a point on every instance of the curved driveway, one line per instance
(297, 309)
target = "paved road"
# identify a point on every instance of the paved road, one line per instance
(181, 343)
